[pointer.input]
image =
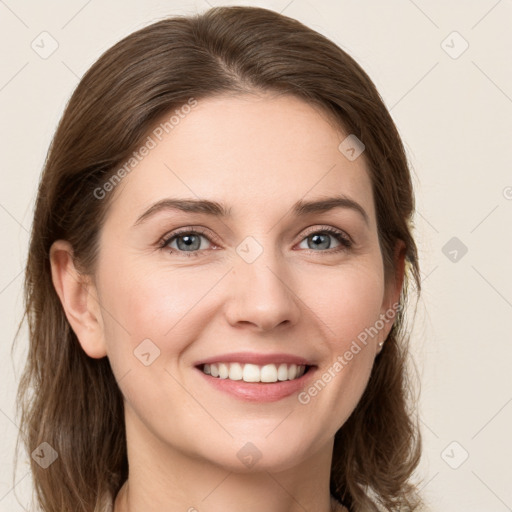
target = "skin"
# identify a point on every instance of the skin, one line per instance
(258, 154)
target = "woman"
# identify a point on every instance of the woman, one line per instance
(216, 280)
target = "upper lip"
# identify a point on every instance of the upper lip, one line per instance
(254, 358)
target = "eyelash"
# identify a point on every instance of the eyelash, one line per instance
(342, 238)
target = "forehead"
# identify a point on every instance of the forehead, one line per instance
(257, 153)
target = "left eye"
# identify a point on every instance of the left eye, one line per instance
(320, 239)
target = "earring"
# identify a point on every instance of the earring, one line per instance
(381, 343)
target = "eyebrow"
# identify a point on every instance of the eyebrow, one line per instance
(213, 208)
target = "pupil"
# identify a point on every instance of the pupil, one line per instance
(188, 241)
(318, 242)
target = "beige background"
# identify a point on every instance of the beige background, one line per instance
(453, 109)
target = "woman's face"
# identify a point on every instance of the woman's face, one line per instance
(265, 283)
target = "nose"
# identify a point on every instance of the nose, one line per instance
(261, 293)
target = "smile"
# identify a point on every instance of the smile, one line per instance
(255, 373)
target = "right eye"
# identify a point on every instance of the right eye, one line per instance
(188, 241)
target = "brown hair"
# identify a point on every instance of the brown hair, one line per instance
(72, 401)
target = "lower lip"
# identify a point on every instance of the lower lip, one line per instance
(257, 391)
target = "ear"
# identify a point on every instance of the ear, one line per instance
(79, 299)
(390, 304)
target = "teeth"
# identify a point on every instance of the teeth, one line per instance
(223, 371)
(236, 372)
(254, 372)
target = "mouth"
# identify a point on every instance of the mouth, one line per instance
(253, 373)
(257, 377)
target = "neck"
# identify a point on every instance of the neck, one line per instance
(125, 499)
(163, 477)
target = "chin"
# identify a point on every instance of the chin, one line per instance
(256, 454)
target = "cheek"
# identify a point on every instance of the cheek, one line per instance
(349, 301)
(151, 304)
(151, 318)
(349, 305)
